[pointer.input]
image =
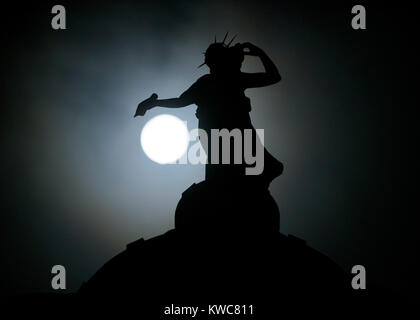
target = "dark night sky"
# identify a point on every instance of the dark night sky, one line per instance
(76, 186)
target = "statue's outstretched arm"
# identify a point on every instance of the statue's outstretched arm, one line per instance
(153, 101)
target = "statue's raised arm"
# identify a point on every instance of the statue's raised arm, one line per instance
(260, 79)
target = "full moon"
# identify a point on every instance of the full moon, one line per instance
(164, 138)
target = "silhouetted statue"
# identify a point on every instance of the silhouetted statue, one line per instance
(226, 246)
(222, 104)
(229, 199)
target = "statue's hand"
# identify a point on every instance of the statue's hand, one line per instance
(146, 105)
(251, 49)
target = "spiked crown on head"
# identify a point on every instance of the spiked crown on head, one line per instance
(218, 51)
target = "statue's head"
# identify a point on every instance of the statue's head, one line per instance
(223, 58)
